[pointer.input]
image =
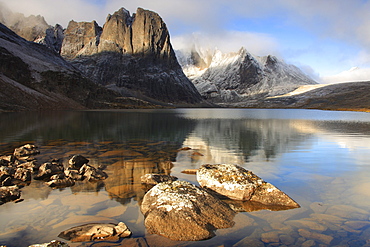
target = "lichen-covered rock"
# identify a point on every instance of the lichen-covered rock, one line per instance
(156, 178)
(25, 151)
(77, 161)
(9, 193)
(229, 180)
(237, 183)
(181, 211)
(95, 232)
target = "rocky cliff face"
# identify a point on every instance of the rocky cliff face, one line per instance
(130, 54)
(80, 38)
(33, 77)
(231, 78)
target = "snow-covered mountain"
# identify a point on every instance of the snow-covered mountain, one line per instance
(225, 78)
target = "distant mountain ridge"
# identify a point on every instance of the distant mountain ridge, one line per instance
(239, 76)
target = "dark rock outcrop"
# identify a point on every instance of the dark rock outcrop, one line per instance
(181, 211)
(53, 38)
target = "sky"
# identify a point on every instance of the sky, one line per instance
(327, 39)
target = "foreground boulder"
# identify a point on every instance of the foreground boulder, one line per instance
(93, 232)
(237, 183)
(181, 211)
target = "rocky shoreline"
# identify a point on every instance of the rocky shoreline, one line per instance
(18, 169)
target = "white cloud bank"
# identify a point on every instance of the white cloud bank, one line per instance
(228, 41)
(354, 74)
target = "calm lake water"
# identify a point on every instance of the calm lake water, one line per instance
(321, 159)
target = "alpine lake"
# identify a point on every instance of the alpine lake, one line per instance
(321, 159)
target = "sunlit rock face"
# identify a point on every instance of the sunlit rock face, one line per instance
(130, 54)
(237, 183)
(80, 38)
(181, 211)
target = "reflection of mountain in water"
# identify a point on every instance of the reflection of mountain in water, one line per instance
(238, 140)
(93, 126)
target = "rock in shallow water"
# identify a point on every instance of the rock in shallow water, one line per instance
(181, 211)
(9, 193)
(53, 243)
(237, 183)
(93, 232)
(77, 161)
(25, 151)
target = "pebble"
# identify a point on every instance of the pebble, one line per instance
(270, 237)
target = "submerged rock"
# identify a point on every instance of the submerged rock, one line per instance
(94, 232)
(237, 183)
(154, 179)
(181, 211)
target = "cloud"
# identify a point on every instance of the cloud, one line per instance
(354, 74)
(59, 12)
(228, 41)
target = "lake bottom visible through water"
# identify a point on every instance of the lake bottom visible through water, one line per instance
(320, 159)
